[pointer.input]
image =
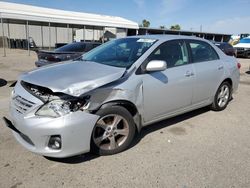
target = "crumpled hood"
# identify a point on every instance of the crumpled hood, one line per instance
(75, 78)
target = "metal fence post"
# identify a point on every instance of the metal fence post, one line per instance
(4, 50)
(103, 33)
(68, 32)
(49, 36)
(56, 33)
(8, 25)
(84, 35)
(27, 36)
(42, 35)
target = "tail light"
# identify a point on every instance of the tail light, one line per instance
(238, 65)
(52, 58)
(65, 57)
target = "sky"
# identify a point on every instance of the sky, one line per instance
(220, 16)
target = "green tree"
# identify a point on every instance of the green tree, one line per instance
(175, 27)
(145, 23)
(162, 27)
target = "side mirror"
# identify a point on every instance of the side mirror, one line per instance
(156, 65)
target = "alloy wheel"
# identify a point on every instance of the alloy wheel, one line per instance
(223, 96)
(110, 132)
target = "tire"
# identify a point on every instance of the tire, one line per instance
(222, 97)
(114, 131)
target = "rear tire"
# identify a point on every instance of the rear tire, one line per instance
(113, 132)
(222, 97)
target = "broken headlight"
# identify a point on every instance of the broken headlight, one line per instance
(54, 108)
(57, 108)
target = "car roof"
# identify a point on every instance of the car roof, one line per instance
(166, 37)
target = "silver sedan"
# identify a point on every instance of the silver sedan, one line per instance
(100, 101)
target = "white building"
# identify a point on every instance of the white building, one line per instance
(50, 26)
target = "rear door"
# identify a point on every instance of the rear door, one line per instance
(168, 91)
(208, 69)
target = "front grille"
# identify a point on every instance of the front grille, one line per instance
(21, 104)
(240, 49)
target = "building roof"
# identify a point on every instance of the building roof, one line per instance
(183, 31)
(40, 14)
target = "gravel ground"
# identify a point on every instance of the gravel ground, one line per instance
(198, 149)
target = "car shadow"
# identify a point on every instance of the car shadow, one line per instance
(75, 159)
(3, 82)
(248, 72)
(145, 131)
(166, 123)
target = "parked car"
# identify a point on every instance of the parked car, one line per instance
(243, 47)
(99, 102)
(227, 48)
(67, 52)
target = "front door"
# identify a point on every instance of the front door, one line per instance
(168, 91)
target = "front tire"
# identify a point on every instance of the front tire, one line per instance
(222, 97)
(113, 132)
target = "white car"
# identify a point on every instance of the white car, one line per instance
(243, 47)
(99, 102)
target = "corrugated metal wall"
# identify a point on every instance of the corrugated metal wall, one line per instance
(88, 34)
(120, 33)
(45, 36)
(40, 34)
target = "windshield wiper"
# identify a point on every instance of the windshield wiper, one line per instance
(80, 59)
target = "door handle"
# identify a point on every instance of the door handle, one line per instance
(220, 67)
(189, 73)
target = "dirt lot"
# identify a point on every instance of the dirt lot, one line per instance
(198, 149)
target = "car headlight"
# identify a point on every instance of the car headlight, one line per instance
(54, 108)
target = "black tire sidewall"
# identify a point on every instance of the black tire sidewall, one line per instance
(119, 110)
(215, 105)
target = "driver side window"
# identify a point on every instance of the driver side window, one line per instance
(173, 52)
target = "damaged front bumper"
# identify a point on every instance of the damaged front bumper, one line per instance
(74, 130)
(35, 132)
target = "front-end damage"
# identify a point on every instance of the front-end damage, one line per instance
(68, 118)
(56, 104)
(118, 94)
(47, 126)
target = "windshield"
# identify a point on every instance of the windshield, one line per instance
(119, 53)
(245, 40)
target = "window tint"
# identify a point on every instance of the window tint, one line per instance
(228, 46)
(202, 51)
(89, 46)
(77, 47)
(72, 47)
(173, 52)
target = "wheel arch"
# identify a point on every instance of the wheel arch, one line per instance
(229, 80)
(130, 107)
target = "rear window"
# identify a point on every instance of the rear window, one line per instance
(73, 47)
(228, 46)
(202, 51)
